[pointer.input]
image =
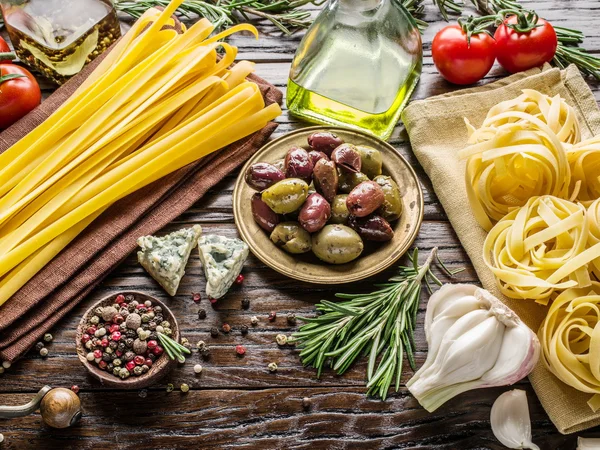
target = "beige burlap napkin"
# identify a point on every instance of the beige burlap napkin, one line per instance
(437, 132)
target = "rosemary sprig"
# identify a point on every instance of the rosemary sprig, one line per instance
(378, 323)
(173, 348)
(284, 14)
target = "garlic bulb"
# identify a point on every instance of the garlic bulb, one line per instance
(588, 443)
(510, 420)
(474, 341)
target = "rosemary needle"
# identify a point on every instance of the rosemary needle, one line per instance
(380, 323)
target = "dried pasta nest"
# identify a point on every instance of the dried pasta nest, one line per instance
(584, 160)
(541, 248)
(570, 339)
(553, 111)
(593, 217)
(509, 164)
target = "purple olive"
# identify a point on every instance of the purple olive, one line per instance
(261, 176)
(298, 164)
(315, 156)
(346, 157)
(365, 198)
(324, 141)
(315, 213)
(263, 215)
(326, 179)
(372, 228)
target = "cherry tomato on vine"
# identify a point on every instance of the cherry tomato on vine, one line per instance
(518, 51)
(4, 48)
(460, 61)
(19, 93)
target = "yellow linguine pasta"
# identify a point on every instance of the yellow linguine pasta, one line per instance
(540, 248)
(570, 339)
(593, 217)
(553, 111)
(584, 159)
(509, 164)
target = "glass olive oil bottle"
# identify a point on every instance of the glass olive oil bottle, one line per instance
(356, 66)
(59, 37)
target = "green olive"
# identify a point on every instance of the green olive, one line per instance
(391, 209)
(339, 210)
(371, 161)
(349, 180)
(291, 237)
(286, 196)
(337, 244)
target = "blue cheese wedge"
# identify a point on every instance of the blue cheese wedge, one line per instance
(222, 259)
(165, 257)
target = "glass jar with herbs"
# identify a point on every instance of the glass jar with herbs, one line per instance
(59, 37)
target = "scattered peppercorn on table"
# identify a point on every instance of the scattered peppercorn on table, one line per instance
(244, 384)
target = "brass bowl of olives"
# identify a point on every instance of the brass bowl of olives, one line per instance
(328, 205)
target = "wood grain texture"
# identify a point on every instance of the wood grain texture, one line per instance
(236, 402)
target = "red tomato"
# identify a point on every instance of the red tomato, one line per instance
(459, 61)
(521, 51)
(4, 48)
(18, 96)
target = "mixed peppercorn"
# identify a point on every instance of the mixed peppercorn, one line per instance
(122, 338)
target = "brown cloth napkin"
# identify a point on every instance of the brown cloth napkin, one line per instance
(437, 132)
(80, 267)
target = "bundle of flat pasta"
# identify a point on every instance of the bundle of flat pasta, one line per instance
(158, 102)
(570, 339)
(593, 217)
(553, 111)
(540, 248)
(584, 159)
(509, 164)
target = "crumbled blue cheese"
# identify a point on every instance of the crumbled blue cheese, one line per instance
(165, 257)
(222, 259)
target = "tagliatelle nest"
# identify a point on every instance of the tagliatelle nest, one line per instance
(540, 248)
(584, 160)
(553, 111)
(570, 339)
(509, 164)
(593, 217)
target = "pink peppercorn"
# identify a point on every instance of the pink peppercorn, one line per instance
(141, 305)
(97, 354)
(152, 344)
(116, 336)
(213, 300)
(239, 279)
(86, 337)
(102, 364)
(130, 365)
(119, 353)
(104, 342)
(240, 350)
(196, 297)
(158, 350)
(139, 360)
(91, 330)
(114, 328)
(118, 319)
(148, 362)
(75, 389)
(120, 299)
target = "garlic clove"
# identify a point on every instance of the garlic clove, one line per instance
(588, 443)
(447, 338)
(444, 301)
(510, 420)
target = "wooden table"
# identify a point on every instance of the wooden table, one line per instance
(236, 402)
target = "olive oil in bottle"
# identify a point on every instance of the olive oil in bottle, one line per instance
(59, 37)
(357, 66)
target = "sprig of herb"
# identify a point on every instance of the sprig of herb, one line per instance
(284, 14)
(173, 348)
(378, 323)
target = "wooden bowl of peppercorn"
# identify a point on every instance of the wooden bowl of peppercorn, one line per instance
(161, 363)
